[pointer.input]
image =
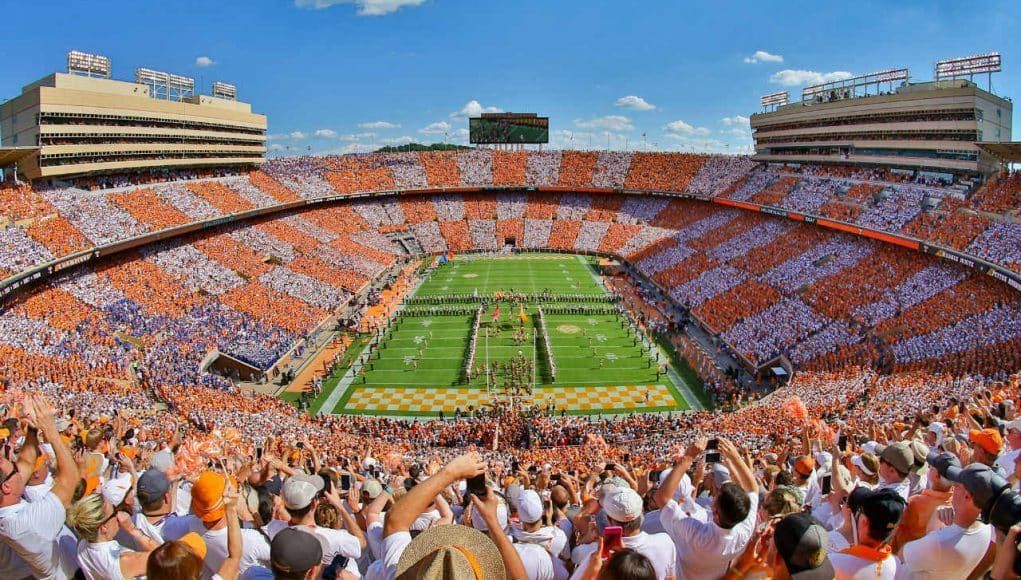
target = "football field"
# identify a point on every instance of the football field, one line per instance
(538, 329)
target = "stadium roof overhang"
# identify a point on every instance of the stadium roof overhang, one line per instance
(11, 155)
(1009, 152)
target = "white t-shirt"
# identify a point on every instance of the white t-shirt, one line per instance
(101, 560)
(836, 542)
(1006, 461)
(38, 492)
(28, 532)
(537, 561)
(393, 548)
(704, 549)
(651, 523)
(848, 567)
(902, 488)
(952, 552)
(152, 530)
(254, 547)
(335, 543)
(658, 548)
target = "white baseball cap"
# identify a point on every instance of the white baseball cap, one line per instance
(529, 507)
(115, 490)
(623, 505)
(300, 489)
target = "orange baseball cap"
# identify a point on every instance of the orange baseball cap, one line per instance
(804, 465)
(987, 439)
(196, 543)
(207, 496)
(91, 485)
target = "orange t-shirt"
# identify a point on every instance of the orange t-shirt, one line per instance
(919, 511)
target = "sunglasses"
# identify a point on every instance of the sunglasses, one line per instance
(110, 517)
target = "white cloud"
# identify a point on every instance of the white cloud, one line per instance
(276, 137)
(365, 7)
(325, 133)
(681, 129)
(763, 56)
(793, 78)
(607, 123)
(397, 140)
(634, 103)
(358, 136)
(204, 61)
(736, 120)
(297, 135)
(737, 132)
(379, 125)
(704, 144)
(276, 147)
(473, 109)
(435, 128)
(358, 148)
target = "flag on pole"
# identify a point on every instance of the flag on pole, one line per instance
(496, 314)
(522, 315)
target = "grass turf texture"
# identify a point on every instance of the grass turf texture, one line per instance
(601, 367)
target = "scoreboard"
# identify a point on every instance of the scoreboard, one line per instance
(508, 128)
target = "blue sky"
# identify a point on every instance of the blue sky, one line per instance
(354, 75)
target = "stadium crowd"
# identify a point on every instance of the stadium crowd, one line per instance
(220, 482)
(153, 466)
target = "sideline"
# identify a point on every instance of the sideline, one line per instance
(682, 386)
(342, 387)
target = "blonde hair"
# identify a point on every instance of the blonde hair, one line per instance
(85, 517)
(326, 516)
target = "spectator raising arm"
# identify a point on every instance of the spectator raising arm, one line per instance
(740, 471)
(40, 415)
(511, 559)
(406, 511)
(681, 465)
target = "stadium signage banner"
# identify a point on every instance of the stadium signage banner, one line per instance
(968, 65)
(779, 99)
(884, 76)
(71, 262)
(1012, 281)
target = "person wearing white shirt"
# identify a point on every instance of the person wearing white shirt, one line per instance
(895, 463)
(155, 496)
(28, 531)
(874, 518)
(955, 551)
(97, 522)
(301, 496)
(397, 528)
(623, 508)
(209, 521)
(539, 546)
(1006, 460)
(706, 541)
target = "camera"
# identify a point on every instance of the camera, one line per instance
(1003, 512)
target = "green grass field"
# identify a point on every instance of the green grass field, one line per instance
(601, 365)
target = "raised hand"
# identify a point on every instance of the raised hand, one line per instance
(466, 466)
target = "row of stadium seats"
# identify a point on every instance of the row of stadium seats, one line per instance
(75, 219)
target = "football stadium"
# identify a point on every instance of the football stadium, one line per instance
(510, 354)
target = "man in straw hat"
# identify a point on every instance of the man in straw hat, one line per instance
(446, 551)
